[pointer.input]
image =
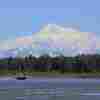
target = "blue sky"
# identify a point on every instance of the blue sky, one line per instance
(19, 17)
(22, 17)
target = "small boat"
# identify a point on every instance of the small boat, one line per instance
(21, 77)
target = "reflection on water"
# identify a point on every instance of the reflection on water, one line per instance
(50, 90)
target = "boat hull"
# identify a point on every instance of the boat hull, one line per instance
(21, 78)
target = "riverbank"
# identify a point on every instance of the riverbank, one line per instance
(48, 74)
(55, 75)
(66, 76)
(63, 75)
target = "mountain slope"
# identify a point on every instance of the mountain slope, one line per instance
(54, 40)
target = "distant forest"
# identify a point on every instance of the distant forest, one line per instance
(46, 63)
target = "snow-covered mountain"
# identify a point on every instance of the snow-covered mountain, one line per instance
(42, 41)
(54, 28)
(36, 51)
(53, 39)
(67, 40)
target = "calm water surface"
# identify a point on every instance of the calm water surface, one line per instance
(50, 89)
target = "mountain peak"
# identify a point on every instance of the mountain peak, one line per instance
(54, 28)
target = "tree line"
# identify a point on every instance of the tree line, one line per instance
(45, 63)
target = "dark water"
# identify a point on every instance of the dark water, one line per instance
(50, 89)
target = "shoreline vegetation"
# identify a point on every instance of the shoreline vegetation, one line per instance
(65, 76)
(80, 66)
(53, 74)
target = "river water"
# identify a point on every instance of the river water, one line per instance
(50, 89)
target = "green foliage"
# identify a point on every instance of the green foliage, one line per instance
(45, 63)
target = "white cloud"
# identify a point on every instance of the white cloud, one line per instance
(54, 38)
(7, 44)
(16, 42)
(66, 38)
(24, 41)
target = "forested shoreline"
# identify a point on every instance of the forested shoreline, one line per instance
(45, 63)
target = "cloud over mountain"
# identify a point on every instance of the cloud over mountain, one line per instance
(54, 39)
(67, 40)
